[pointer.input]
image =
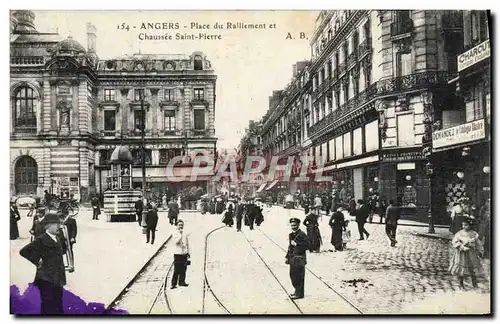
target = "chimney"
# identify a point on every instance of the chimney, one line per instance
(91, 37)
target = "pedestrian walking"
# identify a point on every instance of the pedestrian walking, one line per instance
(14, 218)
(484, 228)
(46, 253)
(228, 216)
(238, 212)
(37, 227)
(181, 255)
(318, 204)
(382, 209)
(467, 249)
(361, 217)
(392, 215)
(151, 223)
(313, 233)
(250, 215)
(346, 234)
(173, 212)
(296, 257)
(95, 207)
(337, 224)
(139, 207)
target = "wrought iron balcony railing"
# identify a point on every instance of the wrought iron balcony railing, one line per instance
(412, 82)
(365, 47)
(352, 58)
(401, 27)
(342, 68)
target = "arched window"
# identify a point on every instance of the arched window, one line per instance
(26, 175)
(198, 63)
(24, 109)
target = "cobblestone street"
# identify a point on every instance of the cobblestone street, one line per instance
(380, 279)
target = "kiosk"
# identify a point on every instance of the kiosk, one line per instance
(120, 198)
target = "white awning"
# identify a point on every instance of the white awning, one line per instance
(272, 184)
(262, 186)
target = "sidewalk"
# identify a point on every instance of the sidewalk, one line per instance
(107, 256)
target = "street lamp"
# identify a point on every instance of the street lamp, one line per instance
(142, 93)
(430, 172)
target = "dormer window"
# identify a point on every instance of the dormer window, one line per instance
(198, 63)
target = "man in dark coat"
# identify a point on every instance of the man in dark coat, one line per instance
(392, 215)
(173, 212)
(139, 207)
(151, 223)
(238, 212)
(296, 257)
(46, 253)
(361, 215)
(14, 218)
(95, 206)
(250, 216)
(259, 217)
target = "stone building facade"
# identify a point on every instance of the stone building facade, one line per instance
(70, 109)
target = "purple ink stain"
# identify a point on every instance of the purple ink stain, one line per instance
(28, 303)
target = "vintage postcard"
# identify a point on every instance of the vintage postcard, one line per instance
(330, 162)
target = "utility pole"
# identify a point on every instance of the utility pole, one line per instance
(143, 143)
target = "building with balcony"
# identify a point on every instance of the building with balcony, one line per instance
(373, 73)
(250, 145)
(285, 125)
(70, 110)
(461, 140)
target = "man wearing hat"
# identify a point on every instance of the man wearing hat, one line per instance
(46, 253)
(296, 257)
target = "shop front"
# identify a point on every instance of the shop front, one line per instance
(461, 157)
(403, 174)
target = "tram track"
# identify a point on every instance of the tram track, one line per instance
(357, 309)
(139, 287)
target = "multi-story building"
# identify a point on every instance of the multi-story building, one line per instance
(377, 77)
(70, 110)
(461, 133)
(250, 145)
(284, 129)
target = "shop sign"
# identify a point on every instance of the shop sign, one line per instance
(459, 134)
(474, 55)
(402, 156)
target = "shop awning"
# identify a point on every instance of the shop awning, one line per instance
(262, 186)
(272, 184)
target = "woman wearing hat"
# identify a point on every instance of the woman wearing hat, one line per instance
(14, 218)
(312, 226)
(467, 249)
(46, 253)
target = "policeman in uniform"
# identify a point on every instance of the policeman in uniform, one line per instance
(296, 257)
(46, 253)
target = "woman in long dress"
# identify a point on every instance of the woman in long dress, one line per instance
(337, 223)
(14, 218)
(311, 223)
(467, 249)
(228, 216)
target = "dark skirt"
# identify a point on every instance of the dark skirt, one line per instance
(337, 238)
(228, 219)
(14, 229)
(314, 238)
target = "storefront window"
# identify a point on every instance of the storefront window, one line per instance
(405, 182)
(357, 141)
(371, 136)
(332, 150)
(339, 150)
(347, 144)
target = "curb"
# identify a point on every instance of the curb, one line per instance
(433, 236)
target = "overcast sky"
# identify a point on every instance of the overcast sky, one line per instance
(250, 64)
